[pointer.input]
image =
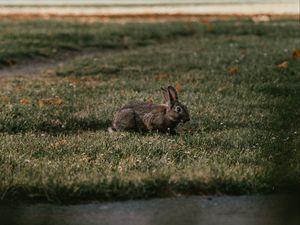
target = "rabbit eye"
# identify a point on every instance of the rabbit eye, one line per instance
(178, 109)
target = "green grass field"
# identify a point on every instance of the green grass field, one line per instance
(243, 137)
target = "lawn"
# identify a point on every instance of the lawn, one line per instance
(22, 41)
(243, 137)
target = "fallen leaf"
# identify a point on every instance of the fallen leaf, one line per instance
(5, 99)
(283, 65)
(24, 101)
(296, 54)
(74, 81)
(49, 101)
(178, 88)
(162, 76)
(233, 70)
(57, 144)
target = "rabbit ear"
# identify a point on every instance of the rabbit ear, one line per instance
(166, 95)
(172, 93)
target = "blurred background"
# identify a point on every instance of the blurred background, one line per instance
(116, 7)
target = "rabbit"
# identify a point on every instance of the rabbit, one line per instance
(146, 116)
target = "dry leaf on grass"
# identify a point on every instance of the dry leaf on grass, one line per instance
(49, 101)
(5, 99)
(233, 70)
(162, 76)
(57, 144)
(178, 88)
(74, 81)
(283, 65)
(296, 54)
(24, 101)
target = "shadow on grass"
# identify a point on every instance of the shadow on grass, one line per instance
(157, 186)
(70, 126)
(283, 141)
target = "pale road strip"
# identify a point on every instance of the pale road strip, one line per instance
(193, 210)
(254, 8)
(134, 2)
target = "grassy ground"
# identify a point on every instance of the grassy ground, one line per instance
(243, 137)
(20, 41)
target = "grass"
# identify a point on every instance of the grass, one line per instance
(20, 41)
(243, 137)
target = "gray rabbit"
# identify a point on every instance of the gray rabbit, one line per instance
(145, 116)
